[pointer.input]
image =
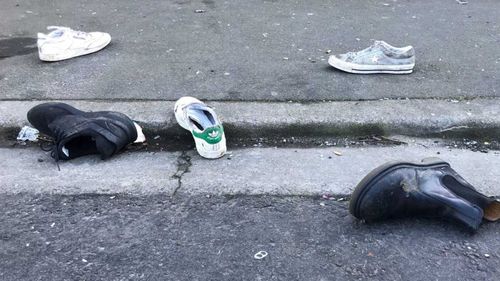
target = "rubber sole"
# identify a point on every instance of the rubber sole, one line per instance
(369, 69)
(366, 183)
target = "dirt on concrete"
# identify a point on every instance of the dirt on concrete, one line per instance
(185, 142)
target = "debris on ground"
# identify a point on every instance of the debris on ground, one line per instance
(28, 133)
(260, 255)
(461, 2)
(199, 11)
(476, 146)
(338, 153)
(315, 141)
(339, 198)
(383, 140)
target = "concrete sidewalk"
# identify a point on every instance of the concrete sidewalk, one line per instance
(250, 49)
(255, 171)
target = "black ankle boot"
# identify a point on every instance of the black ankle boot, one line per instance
(77, 133)
(401, 189)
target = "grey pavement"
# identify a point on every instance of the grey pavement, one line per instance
(235, 50)
(254, 171)
(156, 237)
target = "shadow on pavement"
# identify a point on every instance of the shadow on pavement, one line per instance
(17, 46)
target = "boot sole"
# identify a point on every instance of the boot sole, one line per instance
(366, 183)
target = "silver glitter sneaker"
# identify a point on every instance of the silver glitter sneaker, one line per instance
(378, 58)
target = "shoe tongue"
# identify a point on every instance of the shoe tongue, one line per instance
(104, 147)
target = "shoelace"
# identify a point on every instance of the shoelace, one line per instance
(352, 55)
(52, 145)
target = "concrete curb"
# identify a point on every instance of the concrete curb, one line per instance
(476, 118)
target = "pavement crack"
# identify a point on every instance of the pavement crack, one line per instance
(183, 164)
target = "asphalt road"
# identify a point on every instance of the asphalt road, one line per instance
(118, 237)
(250, 49)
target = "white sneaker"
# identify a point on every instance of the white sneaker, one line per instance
(201, 120)
(64, 43)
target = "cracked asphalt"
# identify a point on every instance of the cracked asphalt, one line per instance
(183, 164)
(157, 237)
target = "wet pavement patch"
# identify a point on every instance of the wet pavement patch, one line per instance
(17, 46)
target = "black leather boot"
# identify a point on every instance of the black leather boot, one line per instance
(77, 133)
(430, 188)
